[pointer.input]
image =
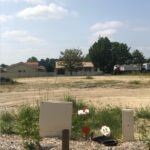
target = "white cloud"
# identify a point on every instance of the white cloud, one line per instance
(27, 1)
(5, 18)
(21, 36)
(106, 25)
(104, 29)
(140, 29)
(41, 12)
(105, 32)
(34, 1)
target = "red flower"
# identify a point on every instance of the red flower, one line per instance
(86, 130)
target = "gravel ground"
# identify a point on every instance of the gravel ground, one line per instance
(15, 143)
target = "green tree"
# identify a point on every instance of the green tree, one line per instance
(148, 60)
(120, 53)
(71, 59)
(86, 58)
(32, 59)
(101, 54)
(138, 57)
(49, 64)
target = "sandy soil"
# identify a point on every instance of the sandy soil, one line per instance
(122, 93)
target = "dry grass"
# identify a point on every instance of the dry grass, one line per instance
(127, 91)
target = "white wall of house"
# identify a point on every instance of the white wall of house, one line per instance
(22, 70)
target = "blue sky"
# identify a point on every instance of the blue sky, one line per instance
(43, 28)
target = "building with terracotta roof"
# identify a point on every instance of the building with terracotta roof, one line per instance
(87, 68)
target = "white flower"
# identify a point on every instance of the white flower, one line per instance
(80, 112)
(83, 112)
(105, 131)
(86, 111)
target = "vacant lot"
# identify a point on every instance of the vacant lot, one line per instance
(127, 91)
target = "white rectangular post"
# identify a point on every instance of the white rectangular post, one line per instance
(127, 125)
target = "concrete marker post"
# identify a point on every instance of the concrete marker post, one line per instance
(127, 125)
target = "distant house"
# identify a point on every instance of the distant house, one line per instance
(28, 69)
(87, 68)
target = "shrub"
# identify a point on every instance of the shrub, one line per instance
(28, 126)
(7, 123)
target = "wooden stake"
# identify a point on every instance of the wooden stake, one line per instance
(65, 139)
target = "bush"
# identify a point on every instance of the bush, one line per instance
(7, 123)
(28, 126)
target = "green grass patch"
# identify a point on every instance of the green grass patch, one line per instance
(7, 123)
(109, 116)
(135, 82)
(89, 77)
(143, 113)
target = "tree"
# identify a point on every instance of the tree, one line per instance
(49, 64)
(148, 60)
(32, 59)
(71, 59)
(120, 53)
(101, 54)
(3, 66)
(138, 57)
(86, 58)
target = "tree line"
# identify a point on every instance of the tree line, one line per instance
(103, 53)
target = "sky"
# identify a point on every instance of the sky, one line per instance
(43, 28)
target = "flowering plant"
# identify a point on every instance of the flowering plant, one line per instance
(85, 129)
(83, 111)
(105, 131)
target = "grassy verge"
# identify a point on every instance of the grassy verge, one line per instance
(25, 122)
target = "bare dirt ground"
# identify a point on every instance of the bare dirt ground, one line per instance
(125, 91)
